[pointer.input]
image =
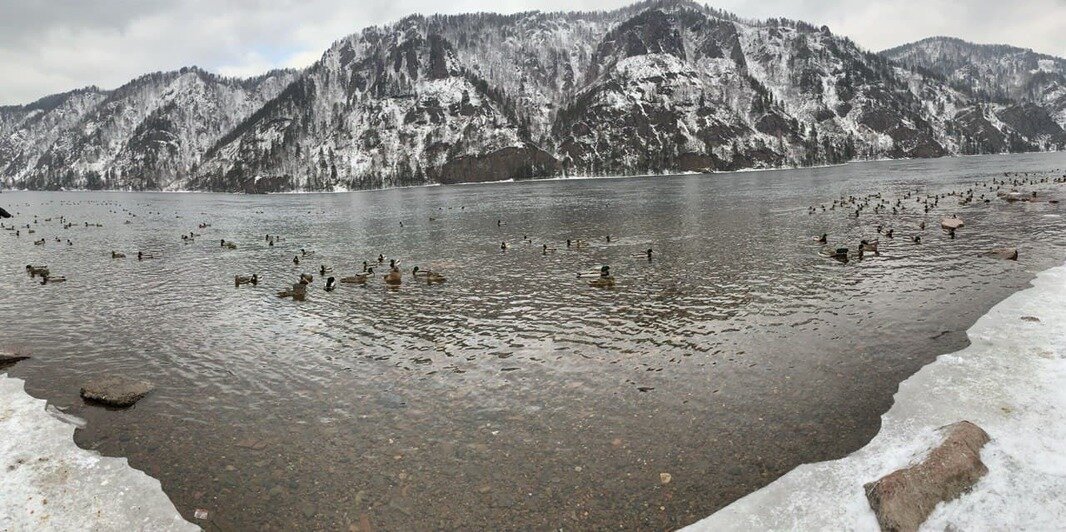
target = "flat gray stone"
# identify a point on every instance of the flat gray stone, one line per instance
(9, 359)
(115, 391)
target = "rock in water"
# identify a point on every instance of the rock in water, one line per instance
(1004, 253)
(115, 391)
(9, 359)
(903, 499)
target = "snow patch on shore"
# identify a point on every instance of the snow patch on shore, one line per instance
(49, 483)
(1011, 381)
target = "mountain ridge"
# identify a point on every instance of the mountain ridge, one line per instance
(660, 86)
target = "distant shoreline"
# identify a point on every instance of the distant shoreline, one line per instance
(533, 180)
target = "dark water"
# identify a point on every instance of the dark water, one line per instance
(511, 395)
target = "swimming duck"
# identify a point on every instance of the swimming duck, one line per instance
(241, 279)
(435, 278)
(503, 246)
(646, 254)
(330, 284)
(869, 246)
(143, 256)
(394, 277)
(822, 239)
(605, 280)
(545, 249)
(323, 270)
(306, 278)
(359, 278)
(45, 279)
(298, 292)
(34, 271)
(296, 260)
(381, 258)
(419, 272)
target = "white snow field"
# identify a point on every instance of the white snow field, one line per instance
(49, 483)
(1011, 381)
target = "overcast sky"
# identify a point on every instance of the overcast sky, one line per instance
(49, 46)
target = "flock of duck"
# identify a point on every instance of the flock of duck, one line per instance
(393, 276)
(913, 201)
(1006, 188)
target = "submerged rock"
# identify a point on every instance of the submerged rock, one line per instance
(115, 391)
(10, 359)
(903, 499)
(1003, 253)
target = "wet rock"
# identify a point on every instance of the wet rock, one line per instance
(1003, 253)
(115, 391)
(903, 499)
(10, 359)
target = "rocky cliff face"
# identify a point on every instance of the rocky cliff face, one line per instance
(660, 86)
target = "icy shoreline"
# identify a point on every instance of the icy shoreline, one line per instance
(49, 483)
(1011, 381)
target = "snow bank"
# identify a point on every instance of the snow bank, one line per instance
(1011, 381)
(48, 483)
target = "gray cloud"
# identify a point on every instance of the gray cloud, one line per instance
(49, 46)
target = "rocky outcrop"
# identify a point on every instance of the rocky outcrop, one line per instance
(903, 499)
(10, 359)
(115, 391)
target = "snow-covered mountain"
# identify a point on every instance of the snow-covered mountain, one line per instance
(148, 134)
(660, 86)
(994, 71)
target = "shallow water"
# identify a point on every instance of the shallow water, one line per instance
(511, 395)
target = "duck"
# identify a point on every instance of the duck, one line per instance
(296, 260)
(394, 277)
(306, 278)
(38, 242)
(381, 258)
(45, 279)
(143, 256)
(605, 280)
(242, 279)
(435, 278)
(298, 292)
(503, 246)
(34, 271)
(647, 254)
(822, 239)
(330, 284)
(419, 272)
(359, 278)
(545, 249)
(324, 270)
(228, 245)
(840, 253)
(869, 246)
(306, 253)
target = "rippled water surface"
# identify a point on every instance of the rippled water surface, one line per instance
(514, 395)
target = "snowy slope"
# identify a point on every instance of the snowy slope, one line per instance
(999, 72)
